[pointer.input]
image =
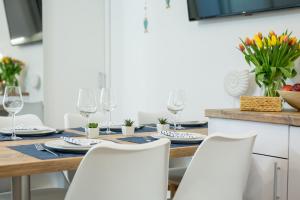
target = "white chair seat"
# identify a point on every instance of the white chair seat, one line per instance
(41, 194)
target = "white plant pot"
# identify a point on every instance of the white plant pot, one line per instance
(93, 133)
(128, 130)
(162, 127)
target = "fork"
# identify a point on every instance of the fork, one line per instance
(40, 147)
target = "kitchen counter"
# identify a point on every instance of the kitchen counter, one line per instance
(287, 117)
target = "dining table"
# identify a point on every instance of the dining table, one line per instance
(20, 166)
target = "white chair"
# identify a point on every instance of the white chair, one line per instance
(177, 165)
(112, 171)
(36, 108)
(38, 182)
(219, 169)
(74, 120)
(151, 118)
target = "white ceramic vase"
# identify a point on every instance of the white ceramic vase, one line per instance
(93, 133)
(127, 130)
(162, 127)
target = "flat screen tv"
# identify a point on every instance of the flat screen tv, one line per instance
(24, 19)
(202, 9)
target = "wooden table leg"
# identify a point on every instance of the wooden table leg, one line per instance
(20, 187)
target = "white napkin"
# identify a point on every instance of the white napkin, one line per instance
(180, 135)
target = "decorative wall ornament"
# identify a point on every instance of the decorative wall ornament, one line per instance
(168, 3)
(236, 83)
(146, 21)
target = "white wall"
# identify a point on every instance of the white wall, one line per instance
(176, 53)
(73, 53)
(31, 54)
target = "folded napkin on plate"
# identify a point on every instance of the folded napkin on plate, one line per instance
(80, 143)
(183, 135)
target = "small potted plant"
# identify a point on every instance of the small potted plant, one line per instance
(93, 130)
(162, 125)
(128, 128)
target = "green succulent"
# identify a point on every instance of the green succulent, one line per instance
(128, 122)
(163, 121)
(93, 125)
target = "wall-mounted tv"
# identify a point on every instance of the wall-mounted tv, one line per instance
(202, 9)
(24, 19)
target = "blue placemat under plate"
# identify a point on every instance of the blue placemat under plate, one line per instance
(143, 140)
(52, 135)
(30, 150)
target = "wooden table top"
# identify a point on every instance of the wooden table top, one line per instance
(288, 117)
(14, 163)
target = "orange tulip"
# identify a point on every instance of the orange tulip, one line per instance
(241, 47)
(248, 41)
(293, 41)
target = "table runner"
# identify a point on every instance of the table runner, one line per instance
(118, 132)
(146, 128)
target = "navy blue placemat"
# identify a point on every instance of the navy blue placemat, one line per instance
(53, 135)
(30, 150)
(143, 140)
(144, 129)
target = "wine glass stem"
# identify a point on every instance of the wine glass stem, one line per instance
(13, 135)
(175, 123)
(87, 124)
(109, 122)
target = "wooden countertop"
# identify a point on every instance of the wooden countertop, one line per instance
(288, 117)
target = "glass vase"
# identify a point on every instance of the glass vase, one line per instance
(271, 89)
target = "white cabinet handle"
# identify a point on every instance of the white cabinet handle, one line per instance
(275, 184)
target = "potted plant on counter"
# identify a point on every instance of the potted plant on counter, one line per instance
(273, 58)
(162, 125)
(128, 128)
(93, 130)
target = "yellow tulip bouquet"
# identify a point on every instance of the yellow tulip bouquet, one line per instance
(10, 68)
(273, 58)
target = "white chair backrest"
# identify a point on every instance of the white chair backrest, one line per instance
(219, 169)
(21, 120)
(74, 120)
(36, 108)
(113, 171)
(152, 118)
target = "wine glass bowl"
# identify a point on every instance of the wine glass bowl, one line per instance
(176, 104)
(108, 104)
(86, 103)
(13, 104)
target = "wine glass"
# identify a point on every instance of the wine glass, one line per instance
(13, 103)
(86, 103)
(176, 104)
(108, 103)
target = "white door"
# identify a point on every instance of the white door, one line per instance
(267, 179)
(294, 164)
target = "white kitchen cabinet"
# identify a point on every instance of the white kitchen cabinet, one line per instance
(294, 164)
(272, 139)
(267, 179)
(269, 169)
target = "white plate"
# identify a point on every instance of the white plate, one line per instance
(193, 123)
(28, 131)
(61, 145)
(197, 138)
